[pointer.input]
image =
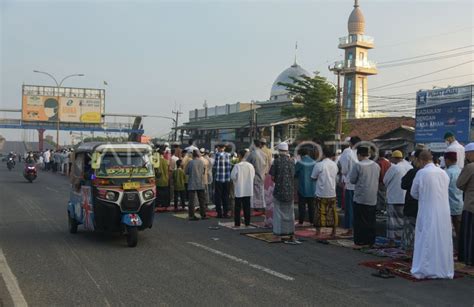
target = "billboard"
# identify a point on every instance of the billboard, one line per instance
(71, 105)
(441, 110)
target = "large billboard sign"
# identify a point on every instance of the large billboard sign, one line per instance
(441, 110)
(71, 105)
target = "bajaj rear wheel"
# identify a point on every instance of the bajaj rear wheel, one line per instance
(72, 224)
(132, 236)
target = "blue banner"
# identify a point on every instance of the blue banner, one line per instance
(442, 110)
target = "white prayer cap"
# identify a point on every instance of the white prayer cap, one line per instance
(469, 147)
(282, 147)
(202, 150)
(347, 139)
(167, 144)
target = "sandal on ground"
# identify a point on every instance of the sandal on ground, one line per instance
(384, 273)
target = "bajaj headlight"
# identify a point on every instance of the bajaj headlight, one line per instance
(148, 194)
(111, 196)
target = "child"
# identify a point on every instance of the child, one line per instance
(179, 179)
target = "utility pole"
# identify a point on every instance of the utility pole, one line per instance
(177, 113)
(338, 70)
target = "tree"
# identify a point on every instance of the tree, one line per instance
(315, 102)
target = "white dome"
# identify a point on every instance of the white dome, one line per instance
(294, 71)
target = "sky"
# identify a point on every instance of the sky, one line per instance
(159, 56)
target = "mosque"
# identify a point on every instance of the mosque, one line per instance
(241, 122)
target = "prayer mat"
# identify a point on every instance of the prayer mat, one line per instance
(325, 234)
(182, 215)
(230, 225)
(304, 225)
(261, 224)
(464, 269)
(268, 237)
(391, 252)
(348, 243)
(252, 213)
(383, 242)
(164, 209)
(399, 268)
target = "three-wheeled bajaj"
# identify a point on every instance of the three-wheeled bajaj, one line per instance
(113, 188)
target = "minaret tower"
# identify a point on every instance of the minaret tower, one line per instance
(356, 66)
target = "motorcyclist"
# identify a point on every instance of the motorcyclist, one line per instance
(11, 155)
(30, 159)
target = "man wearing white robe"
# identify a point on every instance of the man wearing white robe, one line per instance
(433, 252)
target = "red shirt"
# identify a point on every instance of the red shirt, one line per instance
(384, 166)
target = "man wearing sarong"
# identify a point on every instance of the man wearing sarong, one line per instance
(433, 253)
(325, 174)
(283, 173)
(256, 157)
(410, 209)
(395, 197)
(455, 195)
(466, 183)
(384, 164)
(365, 176)
(347, 161)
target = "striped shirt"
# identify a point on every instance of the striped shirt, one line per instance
(221, 168)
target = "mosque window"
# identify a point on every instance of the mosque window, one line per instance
(349, 86)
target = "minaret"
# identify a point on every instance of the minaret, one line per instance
(356, 66)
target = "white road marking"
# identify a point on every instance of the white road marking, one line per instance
(242, 261)
(51, 189)
(11, 282)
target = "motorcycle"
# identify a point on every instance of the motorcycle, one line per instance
(10, 163)
(29, 172)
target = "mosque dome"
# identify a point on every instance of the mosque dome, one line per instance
(356, 23)
(295, 71)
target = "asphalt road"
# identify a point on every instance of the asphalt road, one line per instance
(178, 263)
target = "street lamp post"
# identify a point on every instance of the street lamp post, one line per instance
(58, 85)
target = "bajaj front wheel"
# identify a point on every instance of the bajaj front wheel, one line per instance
(132, 236)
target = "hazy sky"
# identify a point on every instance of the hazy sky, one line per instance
(154, 54)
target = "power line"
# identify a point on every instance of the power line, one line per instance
(426, 37)
(424, 82)
(427, 60)
(425, 55)
(424, 75)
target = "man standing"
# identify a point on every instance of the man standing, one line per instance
(306, 187)
(384, 164)
(454, 146)
(395, 197)
(256, 157)
(283, 173)
(433, 253)
(410, 210)
(242, 176)
(325, 174)
(221, 170)
(365, 176)
(347, 161)
(455, 195)
(466, 183)
(162, 182)
(195, 171)
(268, 155)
